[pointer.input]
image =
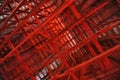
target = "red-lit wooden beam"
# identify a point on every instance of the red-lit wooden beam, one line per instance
(11, 14)
(20, 24)
(94, 36)
(65, 5)
(79, 21)
(98, 9)
(5, 3)
(99, 57)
